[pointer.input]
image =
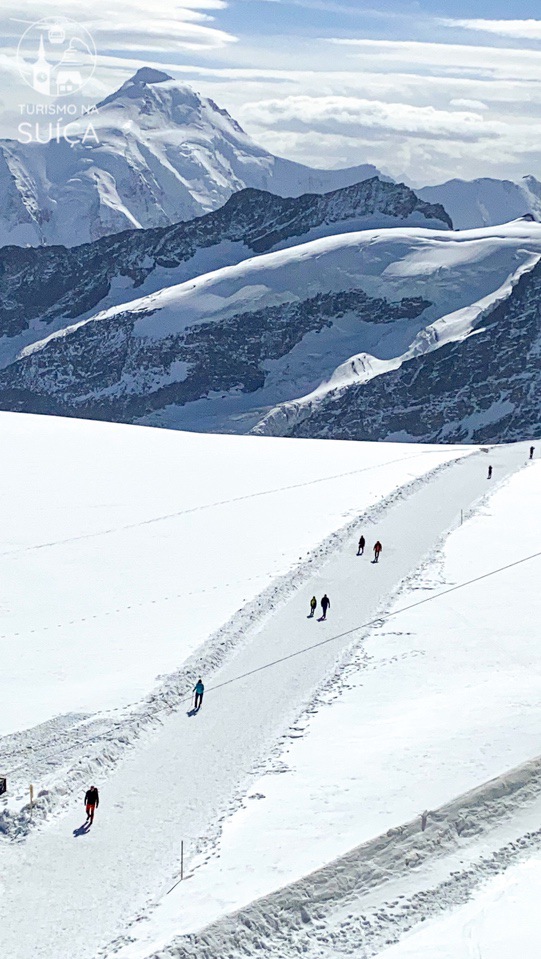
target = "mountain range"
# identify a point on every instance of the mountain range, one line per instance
(361, 311)
(271, 343)
(158, 153)
(483, 389)
(45, 288)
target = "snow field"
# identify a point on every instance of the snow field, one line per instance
(305, 736)
(436, 701)
(501, 920)
(125, 547)
(186, 777)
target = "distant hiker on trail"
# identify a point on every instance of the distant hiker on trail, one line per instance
(198, 689)
(532, 448)
(362, 543)
(313, 604)
(92, 801)
(325, 605)
(489, 472)
(377, 550)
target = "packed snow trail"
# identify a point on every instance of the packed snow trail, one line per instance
(181, 782)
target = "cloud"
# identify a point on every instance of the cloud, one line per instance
(445, 58)
(518, 29)
(131, 25)
(357, 116)
(413, 106)
(468, 104)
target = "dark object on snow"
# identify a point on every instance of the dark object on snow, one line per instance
(3, 785)
(198, 689)
(489, 472)
(532, 448)
(92, 801)
(325, 605)
(362, 543)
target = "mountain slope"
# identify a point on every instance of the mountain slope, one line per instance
(164, 154)
(486, 201)
(219, 351)
(483, 389)
(45, 289)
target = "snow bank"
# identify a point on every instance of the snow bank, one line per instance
(501, 920)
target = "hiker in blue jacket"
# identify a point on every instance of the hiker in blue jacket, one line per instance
(198, 689)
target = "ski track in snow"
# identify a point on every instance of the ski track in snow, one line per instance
(195, 806)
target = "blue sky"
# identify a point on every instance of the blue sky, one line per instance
(393, 18)
(425, 90)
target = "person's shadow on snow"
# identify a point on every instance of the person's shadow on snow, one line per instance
(193, 712)
(82, 830)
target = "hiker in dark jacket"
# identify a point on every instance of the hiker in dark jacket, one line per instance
(325, 605)
(198, 689)
(362, 543)
(92, 801)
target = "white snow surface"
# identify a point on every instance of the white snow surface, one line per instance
(197, 555)
(502, 920)
(438, 700)
(485, 201)
(139, 543)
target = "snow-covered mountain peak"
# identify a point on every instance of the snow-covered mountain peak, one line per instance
(532, 184)
(160, 153)
(151, 97)
(135, 87)
(149, 75)
(486, 201)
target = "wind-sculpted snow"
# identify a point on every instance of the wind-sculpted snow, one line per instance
(483, 389)
(56, 284)
(164, 154)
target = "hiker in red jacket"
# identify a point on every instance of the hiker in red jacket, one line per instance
(92, 801)
(377, 550)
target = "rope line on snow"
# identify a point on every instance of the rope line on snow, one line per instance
(348, 632)
(77, 621)
(377, 619)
